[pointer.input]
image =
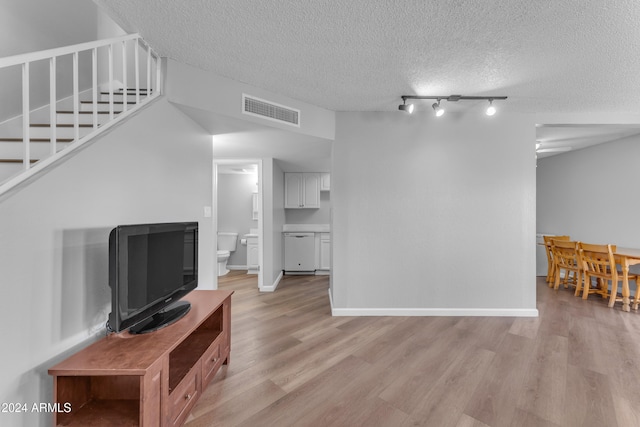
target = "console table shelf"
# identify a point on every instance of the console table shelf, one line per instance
(151, 379)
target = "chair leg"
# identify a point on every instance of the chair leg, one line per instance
(552, 274)
(578, 283)
(587, 286)
(636, 300)
(557, 279)
(614, 293)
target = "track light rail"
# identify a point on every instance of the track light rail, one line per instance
(452, 98)
(439, 110)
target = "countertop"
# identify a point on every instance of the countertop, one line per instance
(306, 228)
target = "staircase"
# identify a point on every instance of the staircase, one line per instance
(41, 137)
(40, 133)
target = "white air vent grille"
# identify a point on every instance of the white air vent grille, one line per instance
(269, 110)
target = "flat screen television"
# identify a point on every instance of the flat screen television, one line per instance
(151, 266)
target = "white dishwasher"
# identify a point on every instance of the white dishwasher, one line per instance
(299, 252)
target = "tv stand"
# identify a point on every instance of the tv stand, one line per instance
(151, 379)
(163, 318)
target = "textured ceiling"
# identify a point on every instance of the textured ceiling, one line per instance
(361, 55)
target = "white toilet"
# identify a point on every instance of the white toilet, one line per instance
(226, 244)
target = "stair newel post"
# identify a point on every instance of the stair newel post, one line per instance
(52, 106)
(110, 82)
(148, 69)
(26, 160)
(94, 85)
(76, 99)
(124, 76)
(136, 56)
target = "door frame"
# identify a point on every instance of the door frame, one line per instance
(233, 161)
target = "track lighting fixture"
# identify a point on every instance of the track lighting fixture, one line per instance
(404, 107)
(439, 110)
(491, 110)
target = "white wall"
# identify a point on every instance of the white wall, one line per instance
(590, 194)
(204, 90)
(235, 210)
(311, 216)
(433, 216)
(279, 219)
(155, 167)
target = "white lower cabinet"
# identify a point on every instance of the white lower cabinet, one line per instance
(325, 252)
(253, 260)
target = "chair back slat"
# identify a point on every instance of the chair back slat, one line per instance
(565, 253)
(565, 257)
(598, 260)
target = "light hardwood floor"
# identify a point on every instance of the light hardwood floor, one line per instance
(292, 364)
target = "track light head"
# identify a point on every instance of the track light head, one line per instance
(491, 110)
(405, 107)
(438, 109)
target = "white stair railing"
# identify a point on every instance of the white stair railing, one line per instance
(148, 74)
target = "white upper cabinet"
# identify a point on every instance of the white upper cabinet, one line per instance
(301, 190)
(325, 181)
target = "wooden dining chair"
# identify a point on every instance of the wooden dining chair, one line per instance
(550, 264)
(599, 262)
(565, 257)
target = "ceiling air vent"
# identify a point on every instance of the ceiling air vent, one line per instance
(270, 111)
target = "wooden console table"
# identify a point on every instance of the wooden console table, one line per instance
(152, 379)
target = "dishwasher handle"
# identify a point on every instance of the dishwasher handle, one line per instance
(298, 235)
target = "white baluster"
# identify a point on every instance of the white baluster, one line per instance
(94, 85)
(124, 76)
(53, 104)
(110, 82)
(76, 99)
(148, 70)
(26, 159)
(137, 69)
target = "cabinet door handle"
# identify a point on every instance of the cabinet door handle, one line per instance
(214, 360)
(187, 397)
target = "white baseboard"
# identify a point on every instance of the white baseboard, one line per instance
(275, 284)
(450, 312)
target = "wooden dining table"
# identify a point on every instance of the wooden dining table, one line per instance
(626, 257)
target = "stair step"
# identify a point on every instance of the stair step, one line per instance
(80, 112)
(58, 140)
(12, 149)
(103, 106)
(17, 160)
(43, 130)
(85, 117)
(131, 89)
(131, 96)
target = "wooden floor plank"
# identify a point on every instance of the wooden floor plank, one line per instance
(292, 364)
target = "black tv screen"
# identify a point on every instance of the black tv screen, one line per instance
(151, 266)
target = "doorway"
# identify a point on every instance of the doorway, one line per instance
(237, 198)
